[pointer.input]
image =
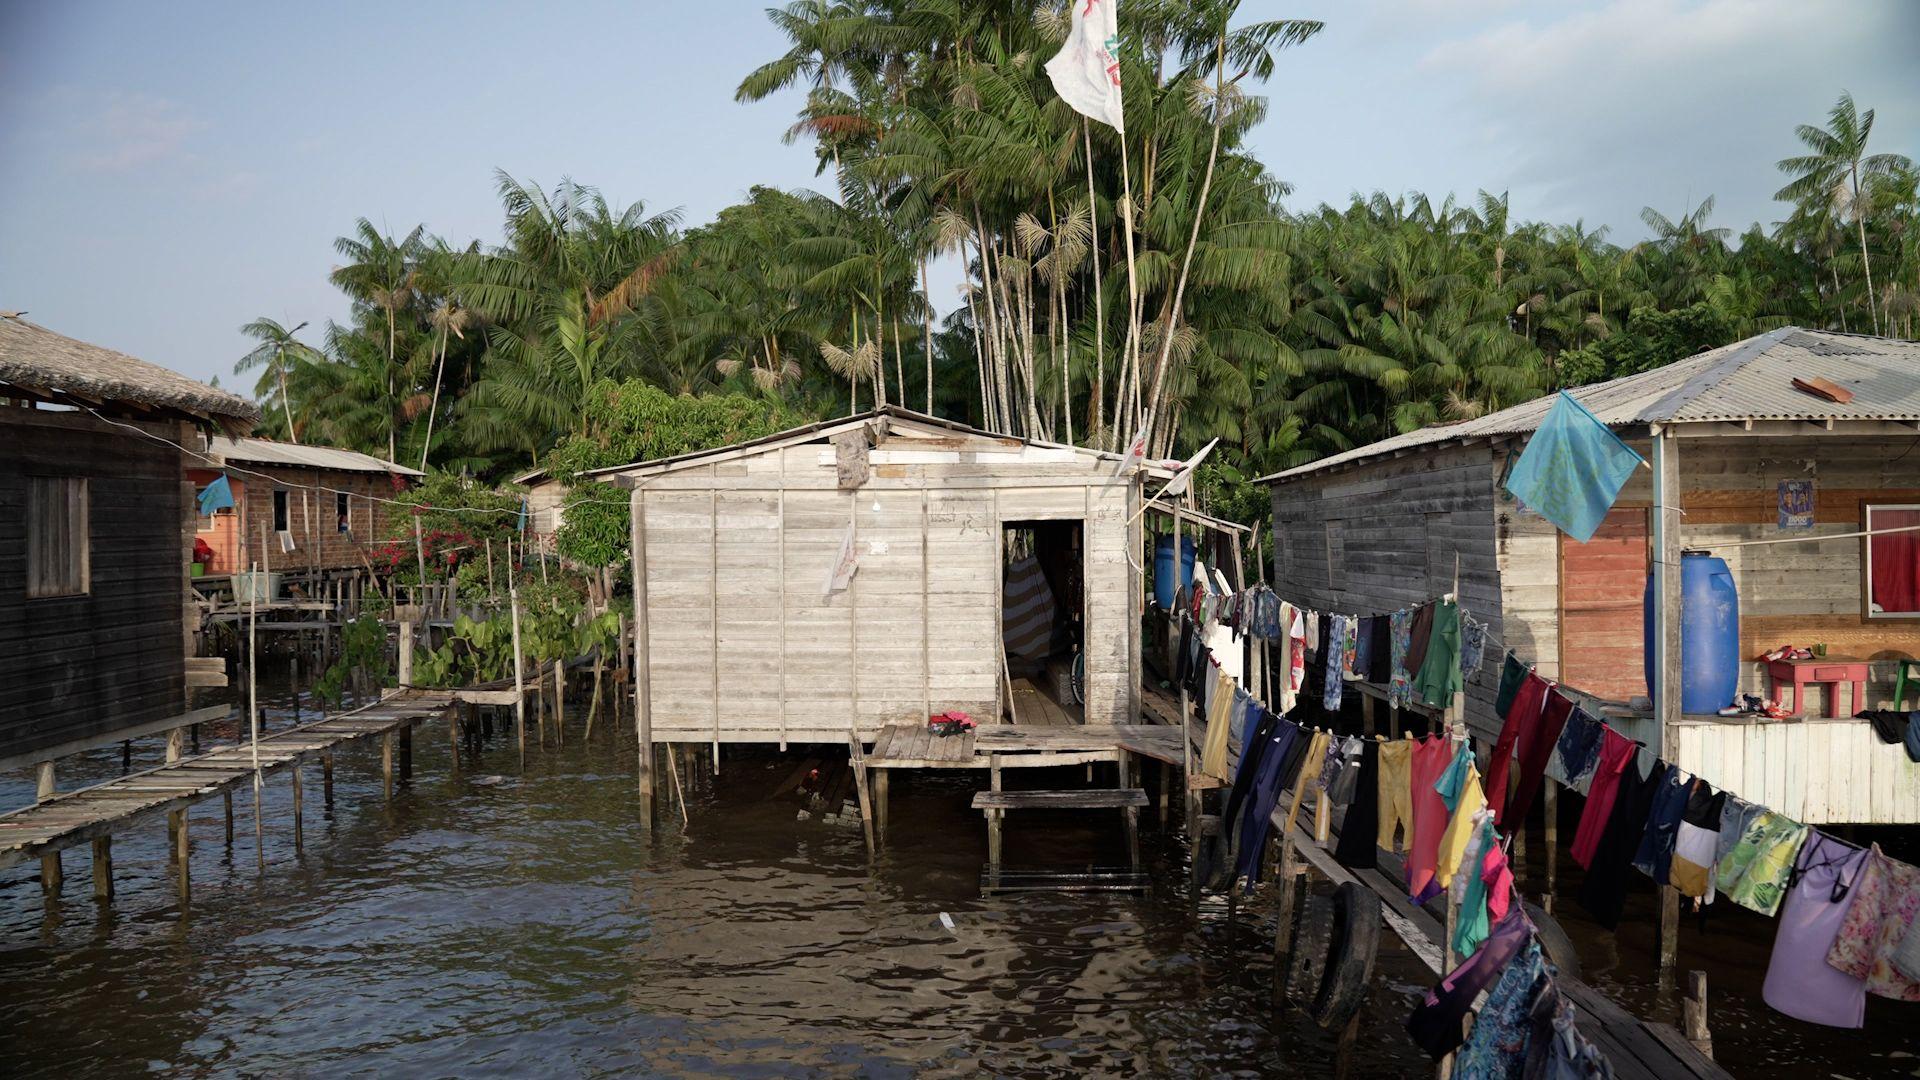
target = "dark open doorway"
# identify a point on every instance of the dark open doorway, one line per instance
(1043, 616)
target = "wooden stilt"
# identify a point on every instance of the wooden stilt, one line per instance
(1550, 832)
(880, 784)
(177, 822)
(1693, 1013)
(299, 812)
(993, 818)
(226, 801)
(326, 786)
(1285, 877)
(103, 867)
(1669, 929)
(53, 877)
(1166, 791)
(859, 762)
(406, 751)
(386, 763)
(1125, 768)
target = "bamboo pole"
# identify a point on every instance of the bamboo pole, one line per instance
(253, 717)
(643, 668)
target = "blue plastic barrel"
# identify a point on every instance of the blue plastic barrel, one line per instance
(1709, 633)
(1163, 579)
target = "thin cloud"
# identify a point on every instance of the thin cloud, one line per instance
(133, 130)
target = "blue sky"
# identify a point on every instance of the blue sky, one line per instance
(168, 172)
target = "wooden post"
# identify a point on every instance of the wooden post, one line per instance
(859, 762)
(1693, 1013)
(880, 779)
(1127, 766)
(326, 784)
(1192, 802)
(406, 653)
(181, 850)
(103, 867)
(1666, 643)
(1284, 878)
(226, 800)
(519, 683)
(560, 701)
(643, 668)
(1550, 834)
(993, 818)
(299, 812)
(44, 781)
(420, 553)
(386, 763)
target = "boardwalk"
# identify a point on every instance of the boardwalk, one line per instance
(71, 818)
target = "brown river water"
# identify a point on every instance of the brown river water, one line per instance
(514, 922)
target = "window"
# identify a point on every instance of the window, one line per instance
(1893, 562)
(280, 511)
(343, 511)
(58, 541)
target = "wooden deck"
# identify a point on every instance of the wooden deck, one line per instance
(915, 746)
(70, 818)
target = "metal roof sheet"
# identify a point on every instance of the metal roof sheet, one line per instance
(297, 455)
(1747, 380)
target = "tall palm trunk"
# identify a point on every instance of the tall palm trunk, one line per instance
(286, 405)
(1866, 263)
(926, 321)
(1193, 237)
(1096, 400)
(433, 410)
(393, 450)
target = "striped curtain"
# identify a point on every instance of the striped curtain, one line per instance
(1026, 610)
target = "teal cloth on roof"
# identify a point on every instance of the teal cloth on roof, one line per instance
(1572, 469)
(216, 496)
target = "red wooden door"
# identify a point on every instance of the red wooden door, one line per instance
(1603, 583)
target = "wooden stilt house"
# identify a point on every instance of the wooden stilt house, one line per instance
(95, 541)
(748, 634)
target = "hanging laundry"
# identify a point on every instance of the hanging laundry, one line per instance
(1335, 648)
(1757, 869)
(1459, 788)
(1419, 637)
(1604, 892)
(1213, 752)
(1576, 752)
(1430, 758)
(1533, 747)
(1799, 980)
(1522, 716)
(1439, 674)
(1572, 469)
(1362, 647)
(1343, 771)
(1266, 614)
(1654, 857)
(1473, 645)
(1316, 752)
(1296, 664)
(1616, 753)
(1258, 817)
(1396, 793)
(217, 495)
(1691, 871)
(1359, 833)
(1906, 955)
(1399, 679)
(1557, 1050)
(1882, 914)
(1183, 652)
(1438, 1024)
(1469, 889)
(1496, 1048)
(1380, 651)
(1513, 672)
(1026, 609)
(1260, 740)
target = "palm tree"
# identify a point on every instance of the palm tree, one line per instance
(380, 274)
(1840, 172)
(277, 352)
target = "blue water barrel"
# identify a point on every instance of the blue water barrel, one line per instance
(1163, 579)
(1709, 633)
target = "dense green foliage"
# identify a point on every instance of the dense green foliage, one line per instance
(594, 334)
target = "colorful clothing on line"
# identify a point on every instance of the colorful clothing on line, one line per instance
(1604, 891)
(1616, 753)
(1906, 955)
(1513, 672)
(1557, 1050)
(1335, 649)
(1880, 917)
(1341, 791)
(1473, 645)
(1419, 638)
(1430, 759)
(1496, 1048)
(1359, 834)
(1293, 665)
(1439, 674)
(1459, 788)
(1470, 889)
(1576, 752)
(1655, 855)
(1380, 653)
(1213, 753)
(1757, 870)
(1522, 716)
(1396, 793)
(1400, 681)
(1799, 981)
(1691, 870)
(1438, 1024)
(1534, 746)
(1362, 646)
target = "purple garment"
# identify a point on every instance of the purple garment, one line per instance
(1438, 1023)
(1800, 982)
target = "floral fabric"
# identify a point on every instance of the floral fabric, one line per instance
(1496, 1048)
(1757, 870)
(1885, 901)
(1340, 636)
(1400, 686)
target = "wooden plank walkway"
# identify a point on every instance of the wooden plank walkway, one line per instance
(70, 818)
(915, 746)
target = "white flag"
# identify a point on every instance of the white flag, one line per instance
(1184, 478)
(1086, 71)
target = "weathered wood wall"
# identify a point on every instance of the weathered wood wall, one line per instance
(83, 666)
(744, 646)
(1384, 535)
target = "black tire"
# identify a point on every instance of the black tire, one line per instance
(1312, 940)
(1554, 941)
(1355, 944)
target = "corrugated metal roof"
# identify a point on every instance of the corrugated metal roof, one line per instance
(269, 452)
(1747, 380)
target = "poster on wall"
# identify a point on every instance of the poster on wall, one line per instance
(1796, 504)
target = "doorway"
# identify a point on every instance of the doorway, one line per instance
(1042, 620)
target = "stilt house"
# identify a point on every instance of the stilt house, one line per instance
(1749, 465)
(95, 540)
(975, 560)
(296, 507)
